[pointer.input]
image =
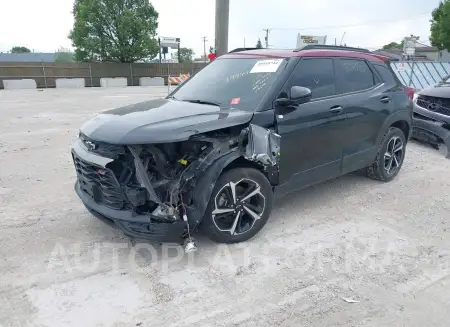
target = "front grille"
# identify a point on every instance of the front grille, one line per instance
(100, 184)
(112, 151)
(434, 104)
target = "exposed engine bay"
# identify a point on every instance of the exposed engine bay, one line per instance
(162, 180)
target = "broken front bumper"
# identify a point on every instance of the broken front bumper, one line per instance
(100, 192)
(132, 225)
(431, 127)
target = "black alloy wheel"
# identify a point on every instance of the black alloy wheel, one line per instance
(390, 157)
(239, 206)
(394, 154)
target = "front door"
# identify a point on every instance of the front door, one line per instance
(312, 135)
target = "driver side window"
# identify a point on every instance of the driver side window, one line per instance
(317, 74)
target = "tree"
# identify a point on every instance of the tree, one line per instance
(393, 45)
(259, 44)
(186, 55)
(440, 26)
(20, 50)
(114, 30)
(64, 57)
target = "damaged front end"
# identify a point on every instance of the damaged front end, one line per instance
(161, 191)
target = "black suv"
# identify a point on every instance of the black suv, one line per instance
(251, 126)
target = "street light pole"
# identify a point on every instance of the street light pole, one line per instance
(222, 18)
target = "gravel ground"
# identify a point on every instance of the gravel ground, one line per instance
(349, 252)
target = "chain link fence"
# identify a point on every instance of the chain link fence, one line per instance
(421, 74)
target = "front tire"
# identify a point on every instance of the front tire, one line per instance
(239, 207)
(390, 156)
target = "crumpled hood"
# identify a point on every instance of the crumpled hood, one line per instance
(160, 121)
(439, 91)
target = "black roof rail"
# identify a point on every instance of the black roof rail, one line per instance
(244, 49)
(330, 47)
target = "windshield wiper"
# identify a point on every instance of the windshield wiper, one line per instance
(172, 98)
(204, 102)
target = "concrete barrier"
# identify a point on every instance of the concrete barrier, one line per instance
(113, 82)
(19, 84)
(70, 83)
(151, 81)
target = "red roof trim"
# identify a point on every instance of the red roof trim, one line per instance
(339, 53)
(273, 53)
(254, 54)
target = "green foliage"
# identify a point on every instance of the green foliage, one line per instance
(20, 50)
(114, 30)
(64, 57)
(186, 55)
(394, 45)
(440, 26)
(259, 44)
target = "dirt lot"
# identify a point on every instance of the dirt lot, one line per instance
(384, 245)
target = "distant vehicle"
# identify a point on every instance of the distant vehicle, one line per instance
(253, 125)
(432, 114)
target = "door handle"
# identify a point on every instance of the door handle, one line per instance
(385, 99)
(336, 109)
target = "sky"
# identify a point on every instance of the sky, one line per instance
(43, 25)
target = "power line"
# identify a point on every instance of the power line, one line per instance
(377, 47)
(352, 25)
(427, 45)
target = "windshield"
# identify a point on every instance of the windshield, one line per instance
(238, 83)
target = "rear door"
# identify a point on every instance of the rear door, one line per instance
(367, 103)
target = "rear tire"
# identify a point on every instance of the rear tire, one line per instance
(239, 207)
(390, 156)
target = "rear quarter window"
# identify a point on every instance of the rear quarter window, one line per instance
(385, 73)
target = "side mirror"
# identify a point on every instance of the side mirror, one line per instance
(298, 95)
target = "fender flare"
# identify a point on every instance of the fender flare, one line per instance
(404, 114)
(205, 186)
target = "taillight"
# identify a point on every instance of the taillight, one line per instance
(410, 92)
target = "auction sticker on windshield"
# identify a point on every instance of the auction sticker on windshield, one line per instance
(266, 66)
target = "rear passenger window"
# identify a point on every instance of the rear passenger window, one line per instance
(353, 75)
(317, 75)
(386, 74)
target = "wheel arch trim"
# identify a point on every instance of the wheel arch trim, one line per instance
(398, 116)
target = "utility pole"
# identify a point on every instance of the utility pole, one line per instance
(267, 30)
(204, 38)
(222, 18)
